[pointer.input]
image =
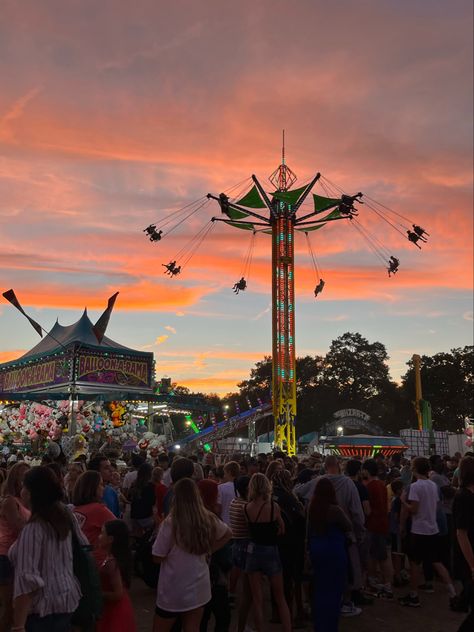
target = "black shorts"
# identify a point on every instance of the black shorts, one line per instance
(424, 548)
(377, 546)
(166, 614)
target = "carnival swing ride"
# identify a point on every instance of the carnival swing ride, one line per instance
(282, 213)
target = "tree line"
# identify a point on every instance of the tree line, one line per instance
(354, 374)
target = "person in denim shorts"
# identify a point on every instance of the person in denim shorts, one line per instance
(265, 524)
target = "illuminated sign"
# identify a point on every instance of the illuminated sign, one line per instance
(34, 375)
(110, 369)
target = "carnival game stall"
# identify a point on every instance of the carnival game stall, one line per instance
(77, 389)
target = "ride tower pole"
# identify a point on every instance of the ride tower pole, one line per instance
(418, 393)
(283, 313)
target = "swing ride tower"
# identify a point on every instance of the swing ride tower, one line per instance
(282, 214)
(283, 313)
(282, 205)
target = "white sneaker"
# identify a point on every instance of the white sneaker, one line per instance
(349, 610)
(376, 585)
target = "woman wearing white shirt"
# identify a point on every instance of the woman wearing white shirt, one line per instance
(185, 540)
(46, 591)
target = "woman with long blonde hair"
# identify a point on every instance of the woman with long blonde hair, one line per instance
(185, 539)
(265, 525)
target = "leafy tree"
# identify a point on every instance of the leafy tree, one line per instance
(259, 383)
(447, 381)
(356, 368)
(356, 375)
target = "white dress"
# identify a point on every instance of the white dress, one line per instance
(184, 582)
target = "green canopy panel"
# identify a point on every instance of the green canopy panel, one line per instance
(323, 203)
(308, 228)
(290, 197)
(252, 199)
(243, 226)
(336, 214)
(235, 214)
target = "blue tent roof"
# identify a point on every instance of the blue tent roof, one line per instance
(80, 332)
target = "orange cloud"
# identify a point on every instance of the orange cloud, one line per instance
(226, 354)
(13, 113)
(6, 356)
(211, 384)
(144, 295)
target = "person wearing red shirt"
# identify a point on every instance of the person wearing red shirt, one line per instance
(378, 529)
(90, 512)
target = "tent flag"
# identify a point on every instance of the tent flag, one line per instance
(252, 199)
(243, 226)
(101, 325)
(11, 297)
(290, 197)
(308, 228)
(322, 203)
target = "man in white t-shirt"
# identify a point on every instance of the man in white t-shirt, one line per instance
(226, 491)
(423, 545)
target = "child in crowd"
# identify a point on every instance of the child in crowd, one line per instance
(160, 491)
(115, 577)
(398, 555)
(226, 490)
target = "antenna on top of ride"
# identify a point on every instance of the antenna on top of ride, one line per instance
(283, 177)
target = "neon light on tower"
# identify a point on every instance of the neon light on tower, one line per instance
(283, 329)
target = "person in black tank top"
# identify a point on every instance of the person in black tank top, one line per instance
(265, 524)
(264, 533)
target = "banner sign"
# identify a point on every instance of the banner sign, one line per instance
(35, 375)
(352, 413)
(104, 370)
(110, 369)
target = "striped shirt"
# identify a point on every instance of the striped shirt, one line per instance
(238, 521)
(43, 568)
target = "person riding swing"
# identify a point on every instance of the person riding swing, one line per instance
(240, 286)
(420, 232)
(346, 207)
(414, 238)
(319, 288)
(393, 265)
(170, 268)
(152, 233)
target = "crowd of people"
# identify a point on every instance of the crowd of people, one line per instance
(322, 536)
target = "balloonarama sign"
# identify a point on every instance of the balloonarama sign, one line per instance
(71, 356)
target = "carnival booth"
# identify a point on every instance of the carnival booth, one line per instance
(75, 386)
(70, 359)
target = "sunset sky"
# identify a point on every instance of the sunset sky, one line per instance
(114, 113)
